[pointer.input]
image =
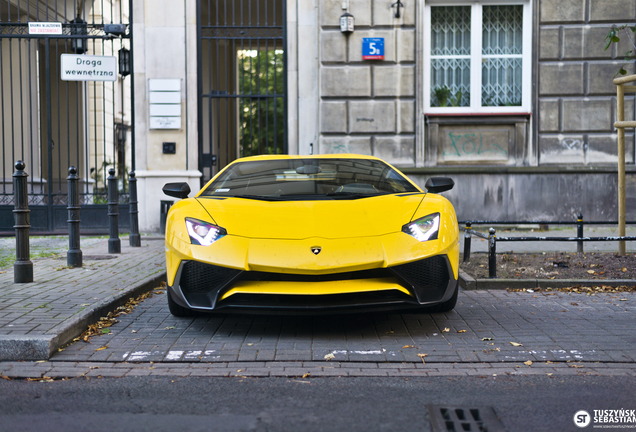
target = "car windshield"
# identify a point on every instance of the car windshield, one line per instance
(308, 179)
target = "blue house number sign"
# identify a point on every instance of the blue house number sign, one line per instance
(372, 48)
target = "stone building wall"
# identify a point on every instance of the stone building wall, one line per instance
(367, 106)
(576, 96)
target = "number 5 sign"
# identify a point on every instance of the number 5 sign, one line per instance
(372, 48)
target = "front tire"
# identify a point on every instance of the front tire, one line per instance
(178, 310)
(449, 304)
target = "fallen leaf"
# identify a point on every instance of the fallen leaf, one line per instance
(106, 330)
(101, 348)
(422, 357)
(446, 329)
(527, 363)
(487, 339)
(515, 344)
(408, 346)
(624, 269)
(307, 375)
(169, 328)
(574, 304)
(461, 331)
(330, 356)
(134, 331)
(622, 300)
(550, 374)
(591, 272)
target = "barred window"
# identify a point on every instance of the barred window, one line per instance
(478, 57)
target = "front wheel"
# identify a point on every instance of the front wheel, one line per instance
(178, 310)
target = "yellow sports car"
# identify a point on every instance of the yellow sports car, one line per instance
(311, 233)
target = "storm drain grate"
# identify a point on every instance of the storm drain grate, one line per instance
(463, 419)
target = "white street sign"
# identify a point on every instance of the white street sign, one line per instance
(88, 68)
(50, 28)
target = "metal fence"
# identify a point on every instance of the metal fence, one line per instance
(493, 239)
(242, 81)
(51, 121)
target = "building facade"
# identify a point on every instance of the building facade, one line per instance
(513, 99)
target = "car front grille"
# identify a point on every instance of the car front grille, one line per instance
(197, 277)
(202, 283)
(428, 277)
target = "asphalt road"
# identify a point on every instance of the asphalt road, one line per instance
(312, 404)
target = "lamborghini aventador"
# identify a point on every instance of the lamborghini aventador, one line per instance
(303, 234)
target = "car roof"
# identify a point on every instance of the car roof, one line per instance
(317, 156)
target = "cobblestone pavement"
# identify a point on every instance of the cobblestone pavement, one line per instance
(37, 317)
(489, 326)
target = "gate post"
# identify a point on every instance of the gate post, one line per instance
(23, 267)
(579, 233)
(114, 243)
(467, 239)
(492, 253)
(135, 240)
(74, 254)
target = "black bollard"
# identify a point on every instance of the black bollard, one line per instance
(114, 243)
(23, 267)
(492, 253)
(579, 233)
(467, 238)
(135, 240)
(74, 254)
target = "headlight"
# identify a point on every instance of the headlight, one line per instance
(423, 229)
(203, 233)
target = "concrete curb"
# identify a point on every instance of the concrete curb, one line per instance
(469, 283)
(42, 347)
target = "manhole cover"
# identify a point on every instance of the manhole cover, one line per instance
(463, 419)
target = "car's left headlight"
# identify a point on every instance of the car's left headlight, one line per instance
(203, 233)
(423, 229)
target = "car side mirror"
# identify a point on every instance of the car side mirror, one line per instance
(177, 190)
(439, 184)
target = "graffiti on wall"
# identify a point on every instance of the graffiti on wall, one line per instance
(474, 145)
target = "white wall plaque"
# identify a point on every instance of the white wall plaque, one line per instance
(76, 67)
(50, 28)
(164, 96)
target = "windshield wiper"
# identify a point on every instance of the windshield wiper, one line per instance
(256, 197)
(353, 195)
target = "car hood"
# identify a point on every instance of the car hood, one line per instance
(294, 220)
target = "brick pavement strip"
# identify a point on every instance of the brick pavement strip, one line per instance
(37, 318)
(58, 370)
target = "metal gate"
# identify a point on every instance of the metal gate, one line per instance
(241, 80)
(51, 123)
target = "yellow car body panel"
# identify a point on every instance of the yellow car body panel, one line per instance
(315, 288)
(278, 237)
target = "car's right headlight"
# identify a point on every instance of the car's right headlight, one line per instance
(423, 229)
(203, 233)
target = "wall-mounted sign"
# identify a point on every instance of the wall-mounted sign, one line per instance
(372, 48)
(75, 67)
(165, 103)
(49, 28)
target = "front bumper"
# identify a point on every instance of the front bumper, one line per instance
(207, 287)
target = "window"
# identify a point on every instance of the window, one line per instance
(477, 57)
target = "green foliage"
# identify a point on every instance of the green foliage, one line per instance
(612, 37)
(442, 93)
(261, 113)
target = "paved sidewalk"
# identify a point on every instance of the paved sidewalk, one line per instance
(37, 318)
(486, 326)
